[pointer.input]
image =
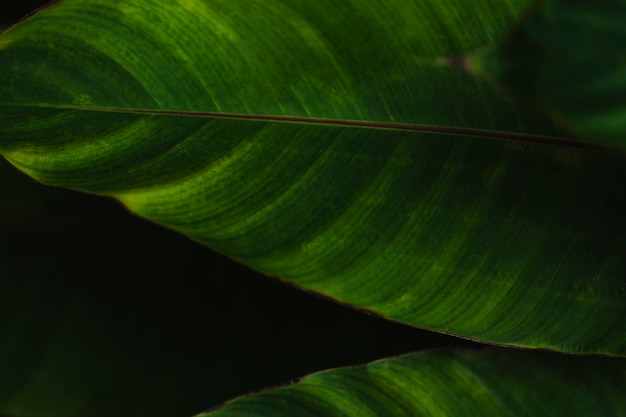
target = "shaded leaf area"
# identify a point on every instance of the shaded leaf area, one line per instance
(450, 383)
(567, 58)
(102, 313)
(479, 237)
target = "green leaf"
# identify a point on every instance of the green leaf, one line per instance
(568, 58)
(450, 383)
(332, 146)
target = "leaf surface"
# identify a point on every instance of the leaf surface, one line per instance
(330, 146)
(450, 383)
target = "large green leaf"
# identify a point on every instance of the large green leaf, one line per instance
(568, 58)
(450, 383)
(329, 145)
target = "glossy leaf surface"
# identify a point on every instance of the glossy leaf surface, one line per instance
(568, 58)
(450, 383)
(327, 144)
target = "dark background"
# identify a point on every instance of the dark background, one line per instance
(124, 312)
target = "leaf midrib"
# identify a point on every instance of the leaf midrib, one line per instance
(550, 140)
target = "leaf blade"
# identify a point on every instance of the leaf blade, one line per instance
(450, 383)
(404, 84)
